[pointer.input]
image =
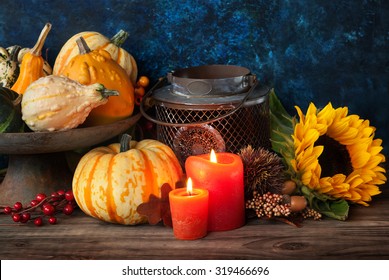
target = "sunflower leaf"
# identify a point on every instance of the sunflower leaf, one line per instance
(281, 124)
(324, 204)
(336, 209)
(279, 116)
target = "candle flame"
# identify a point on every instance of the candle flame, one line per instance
(189, 186)
(213, 156)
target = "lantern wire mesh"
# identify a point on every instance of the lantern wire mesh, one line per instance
(250, 125)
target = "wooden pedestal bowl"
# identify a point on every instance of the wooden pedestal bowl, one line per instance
(38, 160)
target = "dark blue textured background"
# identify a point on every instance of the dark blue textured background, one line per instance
(308, 50)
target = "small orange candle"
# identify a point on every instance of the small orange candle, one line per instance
(189, 210)
(222, 175)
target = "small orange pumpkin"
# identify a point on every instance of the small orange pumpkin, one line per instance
(110, 182)
(97, 66)
(96, 40)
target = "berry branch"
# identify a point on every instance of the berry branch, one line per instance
(42, 206)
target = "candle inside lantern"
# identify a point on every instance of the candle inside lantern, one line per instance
(189, 211)
(222, 175)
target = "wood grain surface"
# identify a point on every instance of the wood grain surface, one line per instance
(365, 235)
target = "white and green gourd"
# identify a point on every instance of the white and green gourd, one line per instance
(57, 103)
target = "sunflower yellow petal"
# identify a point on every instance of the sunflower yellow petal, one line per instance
(341, 112)
(310, 138)
(337, 128)
(373, 162)
(354, 149)
(348, 137)
(311, 110)
(355, 196)
(361, 159)
(375, 150)
(368, 131)
(299, 131)
(327, 113)
(377, 142)
(300, 113)
(379, 169)
(306, 177)
(325, 185)
(377, 181)
(355, 183)
(309, 164)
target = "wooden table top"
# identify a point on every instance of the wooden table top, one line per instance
(365, 235)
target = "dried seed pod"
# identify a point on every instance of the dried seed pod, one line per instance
(263, 171)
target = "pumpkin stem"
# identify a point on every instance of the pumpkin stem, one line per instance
(37, 49)
(83, 46)
(119, 38)
(125, 142)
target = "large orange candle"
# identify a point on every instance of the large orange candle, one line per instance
(189, 210)
(223, 178)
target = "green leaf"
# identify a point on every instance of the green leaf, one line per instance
(279, 116)
(333, 208)
(282, 125)
(336, 209)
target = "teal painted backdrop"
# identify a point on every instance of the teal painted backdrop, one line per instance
(308, 50)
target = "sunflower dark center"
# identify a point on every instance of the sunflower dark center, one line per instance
(335, 158)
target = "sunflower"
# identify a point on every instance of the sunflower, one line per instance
(336, 154)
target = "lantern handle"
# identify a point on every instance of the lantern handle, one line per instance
(146, 99)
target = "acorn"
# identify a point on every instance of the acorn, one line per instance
(297, 203)
(288, 187)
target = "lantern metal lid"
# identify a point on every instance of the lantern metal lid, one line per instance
(210, 87)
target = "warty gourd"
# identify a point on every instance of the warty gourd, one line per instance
(97, 66)
(59, 103)
(95, 41)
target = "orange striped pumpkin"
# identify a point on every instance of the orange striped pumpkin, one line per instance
(110, 182)
(96, 40)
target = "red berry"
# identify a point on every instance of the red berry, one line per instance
(52, 220)
(25, 217)
(69, 196)
(40, 197)
(55, 196)
(16, 218)
(34, 202)
(61, 192)
(68, 209)
(48, 209)
(18, 206)
(55, 203)
(38, 221)
(7, 210)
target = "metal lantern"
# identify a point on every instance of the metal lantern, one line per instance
(220, 107)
